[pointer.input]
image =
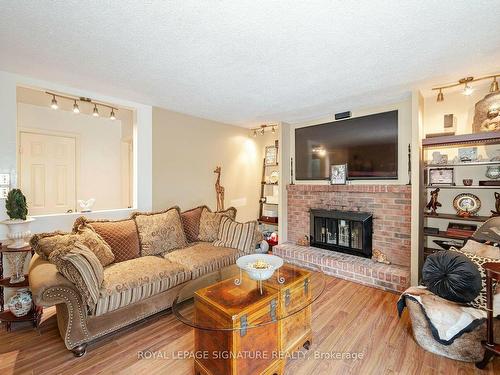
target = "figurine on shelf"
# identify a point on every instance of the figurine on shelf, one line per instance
(497, 205)
(433, 203)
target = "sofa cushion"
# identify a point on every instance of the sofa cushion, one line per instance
(80, 266)
(202, 258)
(160, 231)
(137, 279)
(210, 221)
(120, 235)
(240, 236)
(191, 223)
(482, 249)
(45, 243)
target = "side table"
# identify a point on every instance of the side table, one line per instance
(6, 317)
(491, 348)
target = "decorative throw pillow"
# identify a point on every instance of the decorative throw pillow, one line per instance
(452, 276)
(191, 223)
(80, 266)
(480, 301)
(489, 232)
(45, 243)
(236, 235)
(160, 232)
(482, 249)
(120, 235)
(209, 223)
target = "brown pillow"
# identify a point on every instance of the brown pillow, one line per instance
(160, 232)
(209, 223)
(46, 243)
(191, 223)
(120, 235)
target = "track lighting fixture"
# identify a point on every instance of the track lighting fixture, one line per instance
(263, 128)
(494, 85)
(53, 103)
(466, 82)
(76, 108)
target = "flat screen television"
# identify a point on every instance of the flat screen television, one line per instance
(368, 145)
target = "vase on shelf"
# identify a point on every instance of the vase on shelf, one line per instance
(19, 232)
(20, 303)
(16, 260)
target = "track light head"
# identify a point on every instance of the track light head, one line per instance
(494, 85)
(112, 114)
(262, 130)
(468, 90)
(440, 96)
(54, 104)
(255, 133)
(273, 130)
(95, 112)
(76, 109)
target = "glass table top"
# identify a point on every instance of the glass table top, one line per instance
(230, 299)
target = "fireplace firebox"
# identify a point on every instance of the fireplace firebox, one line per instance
(344, 231)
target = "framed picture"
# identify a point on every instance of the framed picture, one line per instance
(271, 155)
(441, 176)
(338, 174)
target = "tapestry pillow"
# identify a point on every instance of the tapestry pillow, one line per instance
(191, 223)
(488, 232)
(452, 276)
(209, 223)
(160, 232)
(45, 243)
(236, 235)
(80, 266)
(120, 235)
(482, 249)
(480, 301)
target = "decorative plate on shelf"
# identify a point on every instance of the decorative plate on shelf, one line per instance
(466, 203)
(274, 177)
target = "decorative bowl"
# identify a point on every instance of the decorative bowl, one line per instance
(259, 267)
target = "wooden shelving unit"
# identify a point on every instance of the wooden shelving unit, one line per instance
(483, 138)
(452, 217)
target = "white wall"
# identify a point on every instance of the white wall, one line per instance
(187, 149)
(98, 150)
(8, 146)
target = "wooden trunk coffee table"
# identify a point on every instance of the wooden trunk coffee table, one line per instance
(241, 329)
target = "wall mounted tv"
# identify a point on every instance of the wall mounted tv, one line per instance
(368, 144)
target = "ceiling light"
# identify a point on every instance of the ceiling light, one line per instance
(494, 85)
(255, 133)
(440, 96)
(112, 114)
(468, 90)
(53, 104)
(76, 109)
(273, 130)
(95, 113)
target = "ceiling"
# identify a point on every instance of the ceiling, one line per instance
(247, 62)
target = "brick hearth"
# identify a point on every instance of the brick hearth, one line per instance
(389, 204)
(360, 270)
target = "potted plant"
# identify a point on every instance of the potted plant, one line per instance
(18, 222)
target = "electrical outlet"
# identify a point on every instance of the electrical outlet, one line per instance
(4, 179)
(4, 191)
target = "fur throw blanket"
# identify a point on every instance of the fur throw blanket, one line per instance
(447, 320)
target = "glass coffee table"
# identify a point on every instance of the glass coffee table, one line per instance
(243, 326)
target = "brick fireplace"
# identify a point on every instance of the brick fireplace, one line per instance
(390, 206)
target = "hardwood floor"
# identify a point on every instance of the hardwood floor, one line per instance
(347, 318)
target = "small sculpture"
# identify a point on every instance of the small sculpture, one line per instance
(86, 206)
(219, 190)
(304, 241)
(497, 205)
(433, 203)
(380, 257)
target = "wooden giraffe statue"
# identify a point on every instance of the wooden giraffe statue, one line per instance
(219, 190)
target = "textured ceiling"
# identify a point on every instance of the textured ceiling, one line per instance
(246, 62)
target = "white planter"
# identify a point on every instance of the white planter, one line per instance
(19, 232)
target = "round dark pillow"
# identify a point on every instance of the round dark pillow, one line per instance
(452, 276)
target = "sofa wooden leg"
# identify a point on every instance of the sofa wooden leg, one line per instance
(80, 350)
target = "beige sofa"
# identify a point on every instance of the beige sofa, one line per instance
(132, 290)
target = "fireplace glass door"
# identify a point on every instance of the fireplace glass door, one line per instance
(344, 233)
(356, 235)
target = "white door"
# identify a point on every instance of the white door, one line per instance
(47, 172)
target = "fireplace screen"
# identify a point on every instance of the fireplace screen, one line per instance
(344, 231)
